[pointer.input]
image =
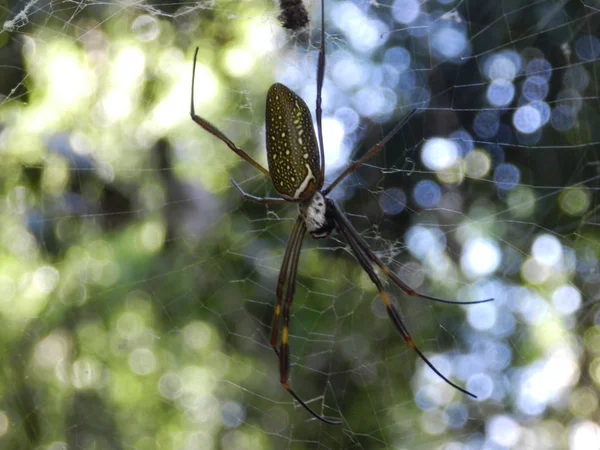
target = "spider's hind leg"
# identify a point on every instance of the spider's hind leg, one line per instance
(287, 276)
(384, 268)
(394, 315)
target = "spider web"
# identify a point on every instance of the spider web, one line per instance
(137, 289)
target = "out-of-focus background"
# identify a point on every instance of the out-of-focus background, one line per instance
(137, 288)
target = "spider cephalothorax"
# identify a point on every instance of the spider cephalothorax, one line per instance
(297, 169)
(317, 216)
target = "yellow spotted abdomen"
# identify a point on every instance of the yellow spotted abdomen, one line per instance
(292, 149)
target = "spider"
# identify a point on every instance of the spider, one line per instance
(297, 169)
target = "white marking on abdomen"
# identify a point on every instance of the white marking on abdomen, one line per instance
(304, 185)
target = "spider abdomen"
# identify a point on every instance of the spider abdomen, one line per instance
(292, 150)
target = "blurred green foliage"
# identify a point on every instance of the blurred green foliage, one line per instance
(136, 290)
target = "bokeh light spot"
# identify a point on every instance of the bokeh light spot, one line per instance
(539, 67)
(145, 28)
(503, 65)
(398, 57)
(239, 62)
(449, 43)
(477, 164)
(543, 108)
(566, 299)
(547, 250)
(483, 316)
(574, 201)
(521, 201)
(427, 193)
(588, 48)
(392, 201)
(480, 257)
(584, 435)
(503, 430)
(406, 11)
(500, 92)
(142, 361)
(506, 176)
(527, 119)
(232, 414)
(563, 117)
(439, 154)
(535, 88)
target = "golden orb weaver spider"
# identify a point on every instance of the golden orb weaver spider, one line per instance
(297, 169)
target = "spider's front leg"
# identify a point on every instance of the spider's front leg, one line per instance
(215, 131)
(287, 275)
(283, 275)
(261, 200)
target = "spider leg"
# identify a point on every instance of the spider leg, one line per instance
(391, 309)
(262, 200)
(372, 152)
(289, 298)
(289, 269)
(319, 112)
(215, 131)
(341, 217)
(283, 272)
